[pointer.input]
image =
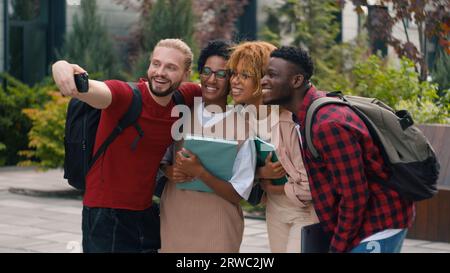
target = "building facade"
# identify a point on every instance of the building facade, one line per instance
(32, 31)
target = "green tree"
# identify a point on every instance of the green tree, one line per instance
(166, 19)
(90, 45)
(314, 26)
(217, 19)
(440, 75)
(441, 71)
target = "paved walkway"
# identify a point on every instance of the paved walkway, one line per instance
(40, 223)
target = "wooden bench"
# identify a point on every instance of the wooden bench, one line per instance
(433, 215)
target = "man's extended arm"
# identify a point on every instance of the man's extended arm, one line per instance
(99, 95)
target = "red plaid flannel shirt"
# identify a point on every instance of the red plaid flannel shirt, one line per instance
(349, 203)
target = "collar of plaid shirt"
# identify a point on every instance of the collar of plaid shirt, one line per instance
(309, 97)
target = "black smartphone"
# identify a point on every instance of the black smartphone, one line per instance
(82, 82)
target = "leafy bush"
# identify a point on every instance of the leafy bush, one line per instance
(15, 125)
(46, 135)
(400, 88)
(424, 110)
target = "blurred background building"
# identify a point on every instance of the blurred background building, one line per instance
(32, 30)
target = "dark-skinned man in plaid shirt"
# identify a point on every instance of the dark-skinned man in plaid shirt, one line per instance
(359, 213)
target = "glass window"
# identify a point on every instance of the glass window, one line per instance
(31, 39)
(16, 52)
(24, 10)
(36, 54)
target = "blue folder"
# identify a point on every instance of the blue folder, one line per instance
(216, 155)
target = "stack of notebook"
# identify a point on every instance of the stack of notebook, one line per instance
(216, 155)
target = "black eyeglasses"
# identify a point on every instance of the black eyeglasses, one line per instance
(220, 74)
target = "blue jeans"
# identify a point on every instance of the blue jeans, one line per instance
(107, 230)
(388, 245)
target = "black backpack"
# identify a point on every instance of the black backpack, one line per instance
(81, 130)
(80, 133)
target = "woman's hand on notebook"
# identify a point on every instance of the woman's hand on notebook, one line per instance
(271, 170)
(178, 176)
(175, 175)
(189, 163)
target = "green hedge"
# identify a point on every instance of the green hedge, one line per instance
(400, 88)
(14, 124)
(46, 137)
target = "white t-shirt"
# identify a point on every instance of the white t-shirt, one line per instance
(382, 235)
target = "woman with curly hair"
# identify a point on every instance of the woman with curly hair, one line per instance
(199, 221)
(288, 206)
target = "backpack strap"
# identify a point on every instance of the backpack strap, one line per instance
(310, 115)
(178, 97)
(128, 119)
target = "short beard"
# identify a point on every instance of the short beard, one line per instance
(166, 93)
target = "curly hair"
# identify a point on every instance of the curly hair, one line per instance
(254, 59)
(221, 48)
(298, 57)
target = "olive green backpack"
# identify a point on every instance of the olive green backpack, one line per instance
(407, 152)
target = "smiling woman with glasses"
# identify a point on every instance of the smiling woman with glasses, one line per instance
(195, 221)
